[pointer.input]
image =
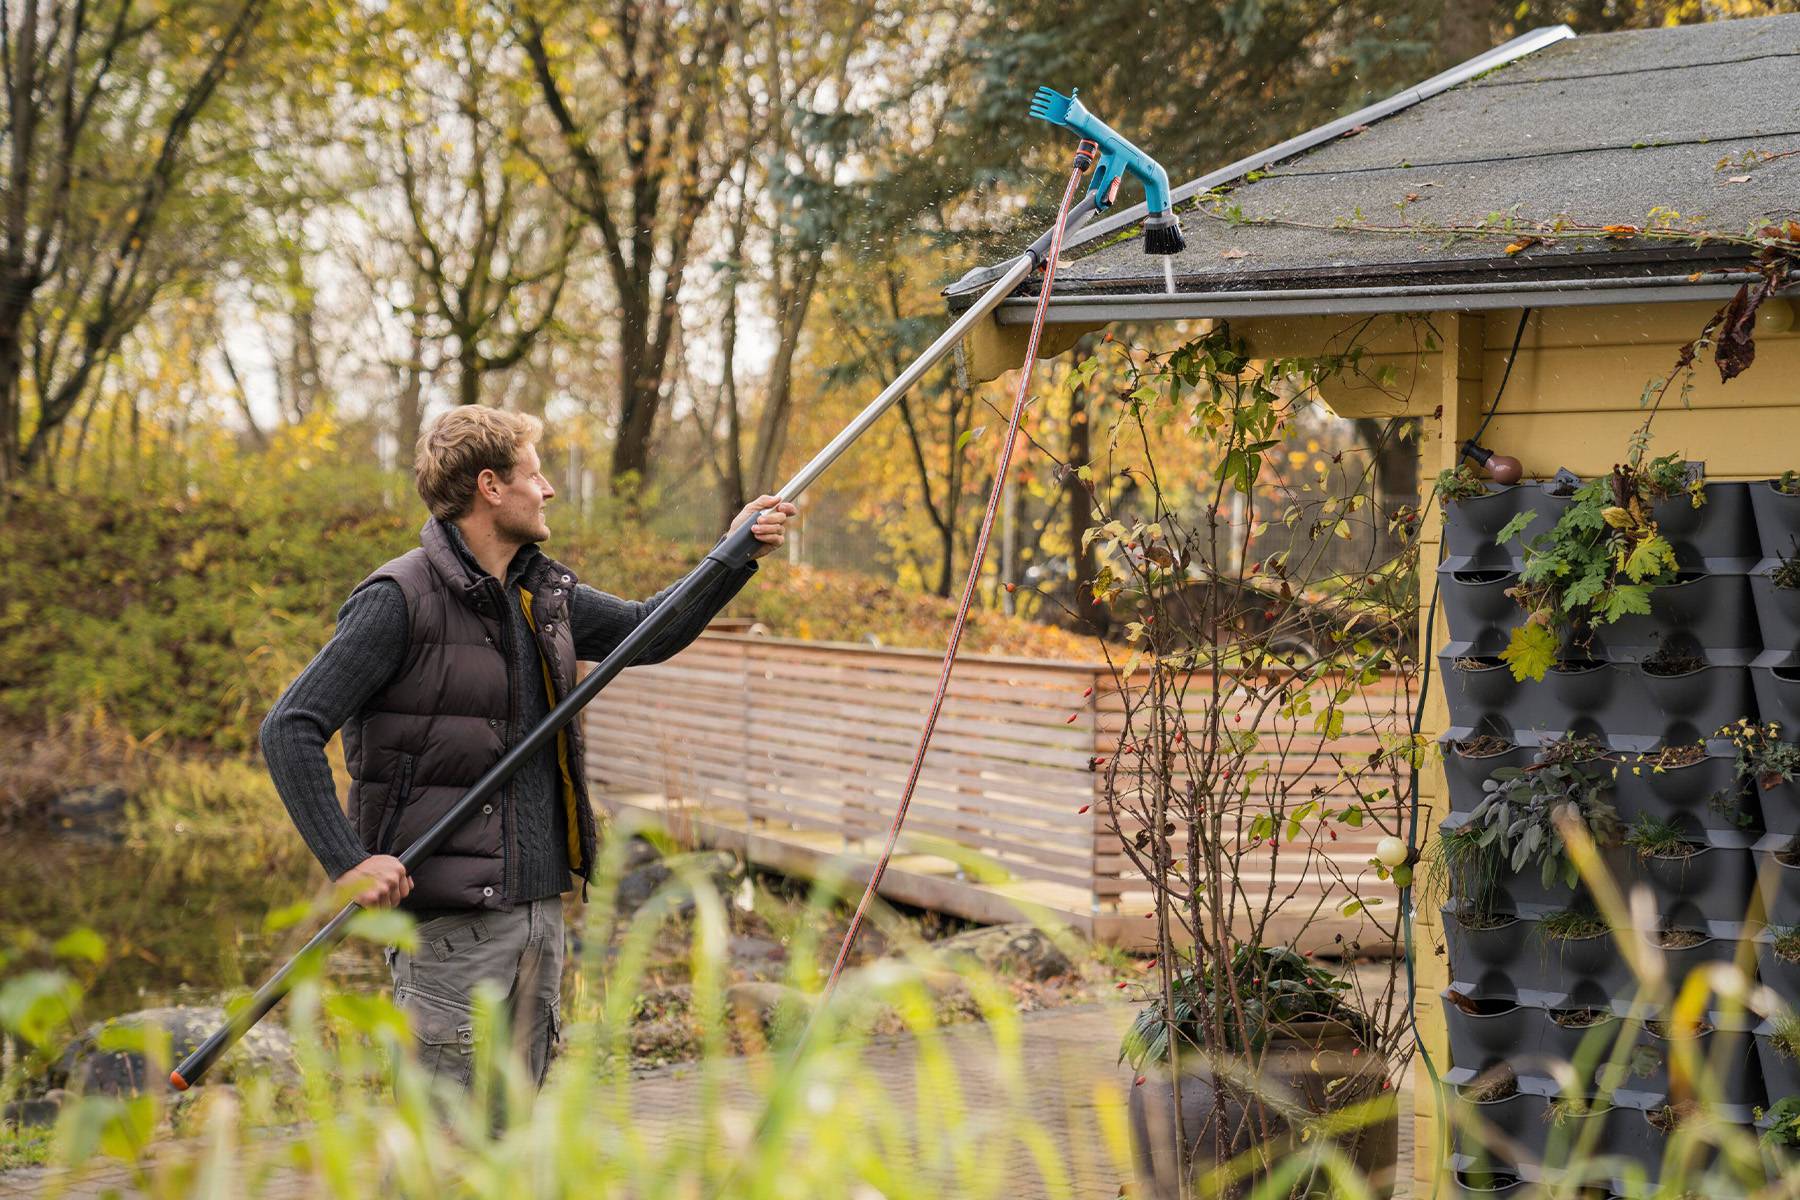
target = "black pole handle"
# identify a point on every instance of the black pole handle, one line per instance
(733, 552)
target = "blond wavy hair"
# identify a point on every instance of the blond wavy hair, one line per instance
(456, 448)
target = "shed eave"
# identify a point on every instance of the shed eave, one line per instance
(1092, 309)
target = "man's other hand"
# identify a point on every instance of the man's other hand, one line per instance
(379, 881)
(771, 521)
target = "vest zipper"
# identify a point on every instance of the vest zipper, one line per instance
(512, 708)
(402, 789)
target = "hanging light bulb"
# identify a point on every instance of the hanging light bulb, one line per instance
(1501, 468)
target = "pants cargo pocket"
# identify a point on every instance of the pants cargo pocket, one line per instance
(444, 1035)
(552, 1039)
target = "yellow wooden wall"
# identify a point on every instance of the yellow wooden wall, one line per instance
(1572, 401)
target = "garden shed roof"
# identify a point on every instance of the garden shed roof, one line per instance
(1550, 137)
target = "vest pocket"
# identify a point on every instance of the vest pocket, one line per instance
(402, 790)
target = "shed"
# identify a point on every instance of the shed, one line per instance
(1558, 174)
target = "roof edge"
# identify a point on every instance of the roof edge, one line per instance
(1507, 52)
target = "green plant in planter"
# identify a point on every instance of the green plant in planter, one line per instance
(1784, 1127)
(1569, 925)
(1600, 560)
(1789, 483)
(1459, 483)
(1785, 1037)
(1761, 754)
(1652, 838)
(1518, 816)
(1278, 988)
(1787, 943)
(1786, 574)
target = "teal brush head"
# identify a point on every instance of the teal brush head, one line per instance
(1162, 231)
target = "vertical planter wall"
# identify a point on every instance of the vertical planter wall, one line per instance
(1531, 985)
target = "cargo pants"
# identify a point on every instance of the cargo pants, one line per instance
(519, 952)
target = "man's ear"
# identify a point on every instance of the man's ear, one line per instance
(487, 485)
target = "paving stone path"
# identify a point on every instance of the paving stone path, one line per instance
(1069, 1060)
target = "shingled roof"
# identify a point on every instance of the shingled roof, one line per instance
(1621, 129)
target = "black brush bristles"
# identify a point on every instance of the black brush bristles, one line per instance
(1162, 235)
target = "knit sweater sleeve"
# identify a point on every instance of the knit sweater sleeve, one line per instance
(601, 621)
(361, 658)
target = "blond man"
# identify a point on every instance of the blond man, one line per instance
(442, 659)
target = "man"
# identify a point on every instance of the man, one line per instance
(442, 659)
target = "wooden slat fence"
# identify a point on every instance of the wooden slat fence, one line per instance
(796, 752)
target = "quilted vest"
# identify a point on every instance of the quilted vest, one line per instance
(423, 740)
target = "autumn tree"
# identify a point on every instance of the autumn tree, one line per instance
(646, 125)
(110, 107)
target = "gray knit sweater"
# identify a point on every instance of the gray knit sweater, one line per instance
(368, 650)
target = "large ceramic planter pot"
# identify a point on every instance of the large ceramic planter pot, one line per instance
(1777, 519)
(1314, 1064)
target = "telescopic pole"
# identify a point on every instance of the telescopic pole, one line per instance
(732, 553)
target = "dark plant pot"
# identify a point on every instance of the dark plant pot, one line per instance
(1486, 958)
(1776, 676)
(1704, 890)
(1720, 528)
(1470, 526)
(1680, 962)
(1313, 1063)
(1563, 1043)
(1712, 612)
(1477, 608)
(1475, 693)
(1777, 610)
(1583, 972)
(1777, 519)
(1494, 1137)
(1780, 884)
(1781, 1074)
(1779, 807)
(1504, 1032)
(1576, 698)
(1727, 1057)
(1700, 700)
(1686, 797)
(1778, 974)
(1478, 1184)
(1465, 775)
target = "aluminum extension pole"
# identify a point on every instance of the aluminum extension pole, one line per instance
(732, 553)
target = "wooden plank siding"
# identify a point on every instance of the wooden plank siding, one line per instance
(795, 754)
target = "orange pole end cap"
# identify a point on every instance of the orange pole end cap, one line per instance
(177, 1082)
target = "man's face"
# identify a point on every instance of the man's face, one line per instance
(520, 515)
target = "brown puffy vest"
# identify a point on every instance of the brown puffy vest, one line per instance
(423, 740)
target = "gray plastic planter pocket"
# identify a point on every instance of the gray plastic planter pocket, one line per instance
(1465, 774)
(1711, 612)
(1780, 1070)
(1702, 795)
(1707, 889)
(1776, 676)
(1637, 709)
(1780, 883)
(1513, 959)
(1779, 806)
(1471, 526)
(1780, 975)
(1728, 1056)
(1777, 519)
(1721, 528)
(1530, 1041)
(1477, 608)
(1777, 609)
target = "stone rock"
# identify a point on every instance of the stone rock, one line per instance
(36, 1110)
(84, 1067)
(89, 809)
(1021, 950)
(757, 957)
(722, 870)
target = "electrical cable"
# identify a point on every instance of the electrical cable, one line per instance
(1408, 939)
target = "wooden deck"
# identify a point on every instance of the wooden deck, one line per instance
(794, 753)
